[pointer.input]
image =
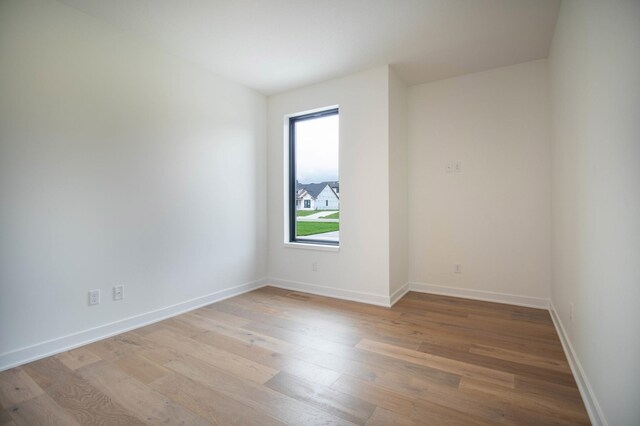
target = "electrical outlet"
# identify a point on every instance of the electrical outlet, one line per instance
(118, 292)
(457, 268)
(314, 266)
(94, 297)
(453, 167)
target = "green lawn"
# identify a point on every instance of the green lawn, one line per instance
(302, 213)
(310, 228)
(335, 215)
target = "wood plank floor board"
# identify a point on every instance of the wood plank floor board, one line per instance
(536, 386)
(117, 347)
(216, 407)
(77, 358)
(386, 328)
(277, 361)
(273, 403)
(296, 320)
(300, 338)
(141, 368)
(320, 314)
(383, 417)
(349, 332)
(429, 413)
(274, 357)
(422, 326)
(333, 401)
(456, 367)
(220, 316)
(368, 371)
(85, 403)
(41, 410)
(147, 405)
(356, 361)
(5, 417)
(486, 407)
(521, 357)
(521, 368)
(16, 386)
(376, 395)
(445, 336)
(224, 360)
(546, 405)
(478, 334)
(335, 336)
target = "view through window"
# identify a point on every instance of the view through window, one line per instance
(314, 184)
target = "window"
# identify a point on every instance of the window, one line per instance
(313, 175)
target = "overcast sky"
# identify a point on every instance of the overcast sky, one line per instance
(317, 150)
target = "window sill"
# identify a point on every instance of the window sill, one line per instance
(312, 246)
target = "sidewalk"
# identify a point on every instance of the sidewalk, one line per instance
(319, 214)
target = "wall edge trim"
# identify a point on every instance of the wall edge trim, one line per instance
(586, 391)
(399, 294)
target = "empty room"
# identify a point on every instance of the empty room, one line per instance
(340, 212)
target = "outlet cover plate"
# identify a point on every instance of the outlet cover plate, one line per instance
(94, 297)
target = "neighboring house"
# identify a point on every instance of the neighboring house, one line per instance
(318, 196)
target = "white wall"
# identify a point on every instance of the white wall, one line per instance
(362, 264)
(119, 164)
(398, 192)
(494, 216)
(595, 79)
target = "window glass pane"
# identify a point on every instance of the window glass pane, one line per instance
(317, 183)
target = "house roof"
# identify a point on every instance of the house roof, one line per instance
(314, 189)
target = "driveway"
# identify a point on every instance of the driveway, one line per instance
(319, 215)
(325, 236)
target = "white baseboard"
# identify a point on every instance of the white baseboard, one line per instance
(488, 296)
(399, 294)
(338, 293)
(586, 391)
(71, 341)
(388, 301)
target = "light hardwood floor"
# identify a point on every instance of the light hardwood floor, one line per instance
(274, 357)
